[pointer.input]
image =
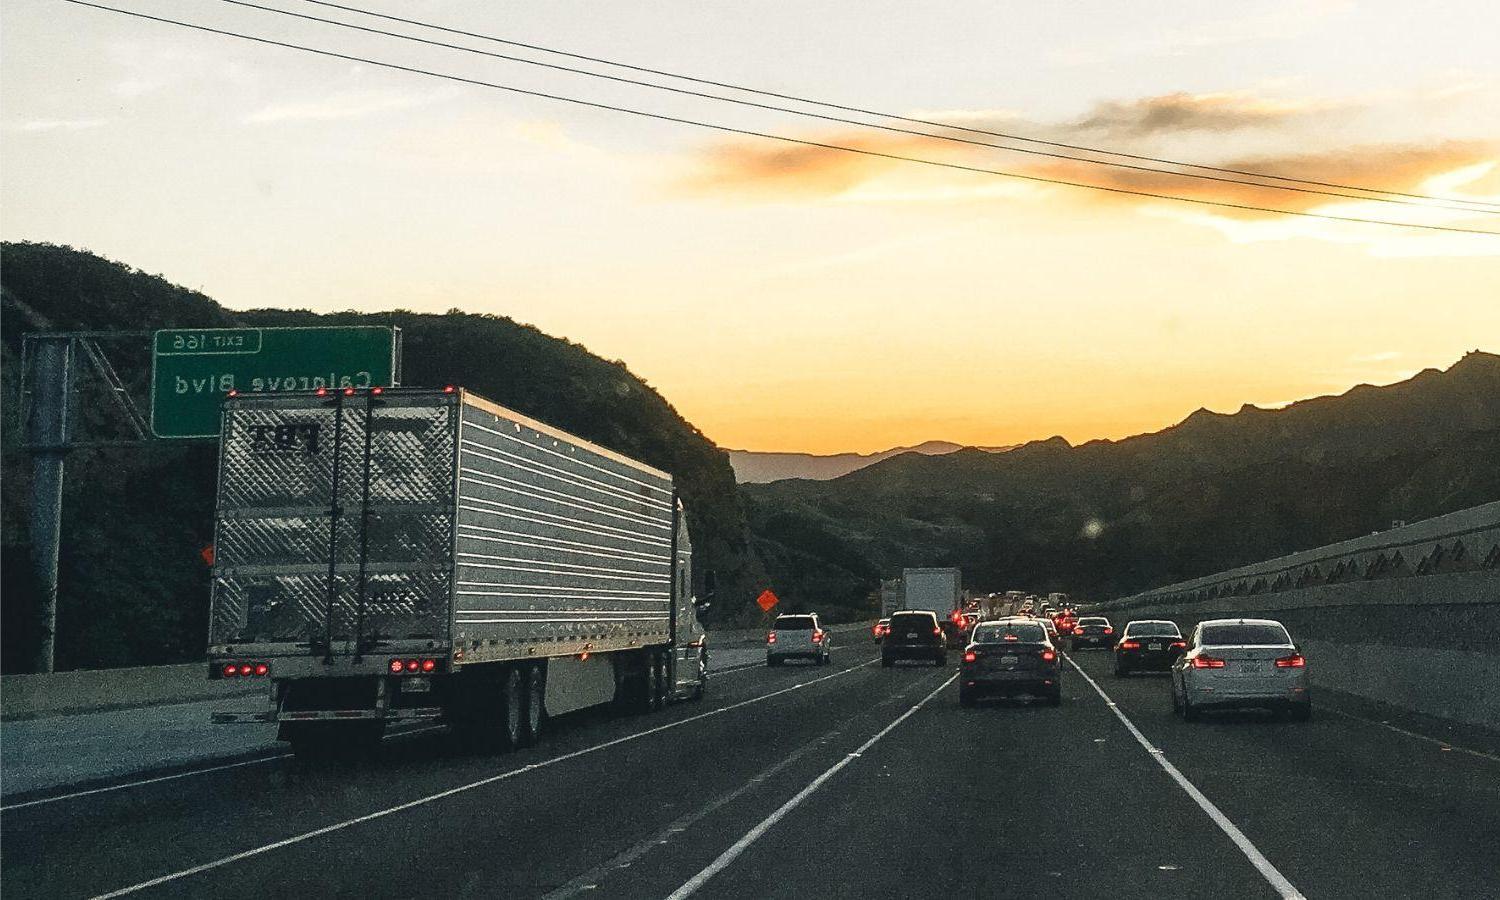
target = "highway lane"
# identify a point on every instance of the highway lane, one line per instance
(1008, 799)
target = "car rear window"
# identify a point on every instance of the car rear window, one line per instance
(794, 623)
(1093, 620)
(913, 620)
(1021, 631)
(1149, 629)
(1244, 633)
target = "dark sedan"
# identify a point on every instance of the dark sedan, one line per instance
(1010, 657)
(1093, 631)
(1148, 645)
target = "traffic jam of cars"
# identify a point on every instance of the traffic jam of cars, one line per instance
(1220, 664)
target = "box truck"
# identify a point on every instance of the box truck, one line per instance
(401, 554)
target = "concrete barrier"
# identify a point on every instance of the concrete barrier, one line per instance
(91, 690)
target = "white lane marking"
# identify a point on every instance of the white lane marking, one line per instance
(463, 788)
(176, 775)
(751, 836)
(1412, 734)
(1277, 880)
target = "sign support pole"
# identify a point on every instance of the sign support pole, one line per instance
(47, 428)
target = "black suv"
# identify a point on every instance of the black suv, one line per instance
(914, 635)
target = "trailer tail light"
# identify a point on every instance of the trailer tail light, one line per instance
(262, 669)
(230, 670)
(396, 667)
(1207, 662)
(245, 669)
(1295, 661)
(428, 665)
(771, 638)
(1130, 645)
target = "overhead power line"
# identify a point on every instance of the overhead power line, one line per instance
(697, 123)
(889, 115)
(1438, 204)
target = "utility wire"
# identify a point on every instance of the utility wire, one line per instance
(759, 134)
(888, 115)
(1437, 204)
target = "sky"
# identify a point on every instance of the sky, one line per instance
(791, 298)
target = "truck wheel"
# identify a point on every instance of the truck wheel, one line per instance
(533, 703)
(511, 710)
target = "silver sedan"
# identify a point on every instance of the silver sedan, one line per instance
(1233, 663)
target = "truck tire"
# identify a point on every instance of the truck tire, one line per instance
(534, 703)
(659, 686)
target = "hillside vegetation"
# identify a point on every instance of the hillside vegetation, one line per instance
(133, 589)
(1112, 517)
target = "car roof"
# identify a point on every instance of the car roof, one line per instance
(1149, 622)
(1239, 622)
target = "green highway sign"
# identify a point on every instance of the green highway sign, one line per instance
(192, 369)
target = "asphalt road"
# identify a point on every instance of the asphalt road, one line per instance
(849, 780)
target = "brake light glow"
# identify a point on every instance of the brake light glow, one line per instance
(377, 391)
(230, 670)
(412, 665)
(428, 665)
(1207, 662)
(262, 669)
(1048, 656)
(449, 389)
(817, 637)
(771, 638)
(396, 667)
(321, 392)
(1130, 645)
(1295, 661)
(1108, 630)
(1011, 637)
(970, 656)
(937, 632)
(1179, 643)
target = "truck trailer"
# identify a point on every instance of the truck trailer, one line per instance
(400, 554)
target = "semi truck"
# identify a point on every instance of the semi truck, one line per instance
(399, 554)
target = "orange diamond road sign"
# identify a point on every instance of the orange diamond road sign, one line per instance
(766, 600)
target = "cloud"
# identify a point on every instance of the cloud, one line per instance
(1182, 112)
(349, 104)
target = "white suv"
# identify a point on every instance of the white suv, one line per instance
(795, 636)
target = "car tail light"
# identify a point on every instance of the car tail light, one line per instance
(937, 632)
(1011, 637)
(1295, 661)
(970, 656)
(1108, 630)
(1207, 662)
(1048, 656)
(1179, 644)
(817, 637)
(771, 638)
(1130, 645)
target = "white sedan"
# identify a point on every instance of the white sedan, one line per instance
(1233, 663)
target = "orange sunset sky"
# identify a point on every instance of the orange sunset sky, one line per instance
(792, 298)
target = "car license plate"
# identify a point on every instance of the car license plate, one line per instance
(1009, 660)
(911, 634)
(415, 685)
(1153, 646)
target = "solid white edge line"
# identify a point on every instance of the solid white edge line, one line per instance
(1277, 880)
(187, 774)
(754, 834)
(1324, 707)
(440, 795)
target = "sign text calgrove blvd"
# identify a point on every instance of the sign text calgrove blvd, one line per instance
(193, 368)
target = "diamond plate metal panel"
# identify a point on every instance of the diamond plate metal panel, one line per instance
(275, 536)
